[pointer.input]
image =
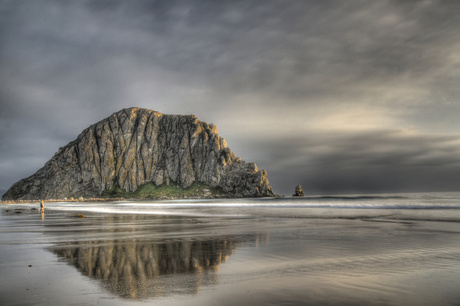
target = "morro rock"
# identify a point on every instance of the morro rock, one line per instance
(136, 146)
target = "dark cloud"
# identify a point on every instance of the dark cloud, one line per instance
(381, 161)
(302, 87)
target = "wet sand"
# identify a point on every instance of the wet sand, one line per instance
(228, 255)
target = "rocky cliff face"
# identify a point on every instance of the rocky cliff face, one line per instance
(137, 146)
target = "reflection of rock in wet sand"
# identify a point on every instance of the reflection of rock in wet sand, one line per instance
(139, 269)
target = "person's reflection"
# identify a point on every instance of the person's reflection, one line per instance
(134, 269)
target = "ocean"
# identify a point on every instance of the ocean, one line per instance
(383, 249)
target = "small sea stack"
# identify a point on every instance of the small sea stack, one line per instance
(298, 191)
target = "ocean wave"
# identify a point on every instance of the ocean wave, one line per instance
(347, 198)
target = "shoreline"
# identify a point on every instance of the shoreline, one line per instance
(5, 202)
(83, 200)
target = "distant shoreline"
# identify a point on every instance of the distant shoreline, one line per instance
(60, 200)
(121, 199)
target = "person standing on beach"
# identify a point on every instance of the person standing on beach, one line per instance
(42, 207)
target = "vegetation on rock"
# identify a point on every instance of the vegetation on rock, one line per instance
(173, 190)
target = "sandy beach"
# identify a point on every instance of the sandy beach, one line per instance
(377, 250)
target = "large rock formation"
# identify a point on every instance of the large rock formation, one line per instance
(137, 146)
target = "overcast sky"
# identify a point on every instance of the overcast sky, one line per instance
(338, 96)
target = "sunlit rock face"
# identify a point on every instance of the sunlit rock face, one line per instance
(136, 269)
(136, 146)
